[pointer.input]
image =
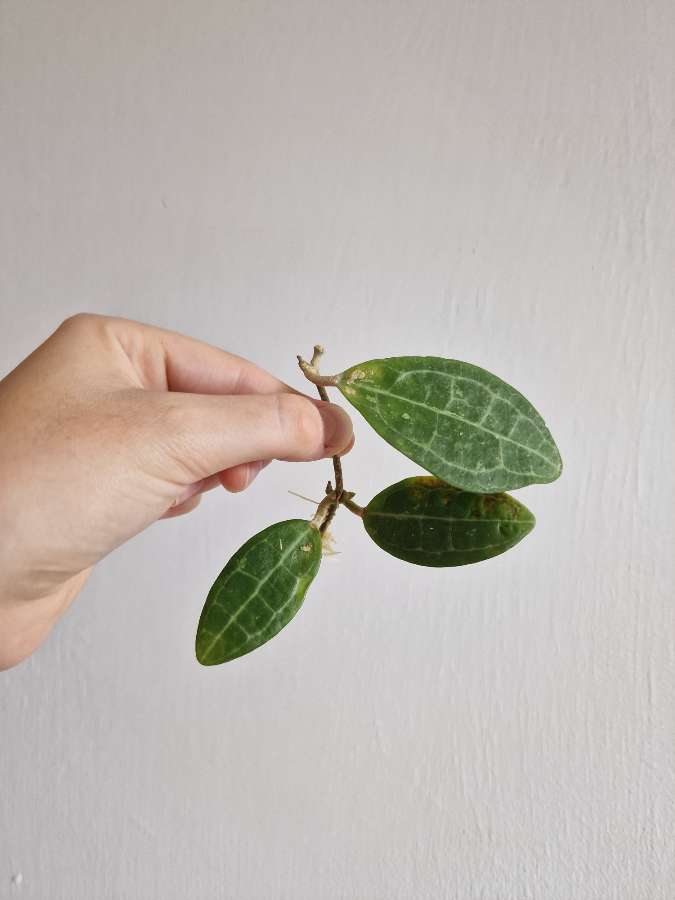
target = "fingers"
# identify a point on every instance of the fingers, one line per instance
(182, 508)
(199, 487)
(239, 477)
(200, 435)
(166, 360)
(235, 479)
(209, 411)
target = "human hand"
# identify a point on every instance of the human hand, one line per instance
(110, 425)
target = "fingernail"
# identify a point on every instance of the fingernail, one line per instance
(348, 447)
(337, 428)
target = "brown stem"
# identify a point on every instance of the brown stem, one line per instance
(311, 372)
(351, 505)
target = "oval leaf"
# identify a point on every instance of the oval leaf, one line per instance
(259, 591)
(427, 522)
(456, 420)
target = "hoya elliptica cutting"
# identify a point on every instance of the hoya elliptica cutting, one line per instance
(474, 433)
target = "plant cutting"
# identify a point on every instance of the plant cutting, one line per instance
(475, 436)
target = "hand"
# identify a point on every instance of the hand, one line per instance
(110, 425)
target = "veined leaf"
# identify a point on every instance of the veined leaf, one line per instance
(425, 521)
(259, 591)
(456, 420)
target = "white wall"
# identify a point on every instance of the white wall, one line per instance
(489, 180)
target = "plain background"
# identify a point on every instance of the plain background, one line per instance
(492, 181)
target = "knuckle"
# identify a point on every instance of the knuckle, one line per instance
(83, 323)
(300, 420)
(77, 321)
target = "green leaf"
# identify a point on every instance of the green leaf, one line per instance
(454, 419)
(427, 522)
(259, 591)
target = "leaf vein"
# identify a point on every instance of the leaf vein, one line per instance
(261, 581)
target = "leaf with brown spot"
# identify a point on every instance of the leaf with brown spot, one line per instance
(427, 522)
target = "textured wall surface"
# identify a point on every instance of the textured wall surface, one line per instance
(492, 181)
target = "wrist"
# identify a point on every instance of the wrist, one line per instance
(25, 621)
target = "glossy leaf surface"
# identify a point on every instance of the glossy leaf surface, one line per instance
(259, 591)
(425, 521)
(454, 419)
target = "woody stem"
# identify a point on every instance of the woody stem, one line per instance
(311, 372)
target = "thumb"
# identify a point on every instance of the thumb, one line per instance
(198, 435)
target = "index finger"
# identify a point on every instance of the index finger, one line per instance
(171, 361)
